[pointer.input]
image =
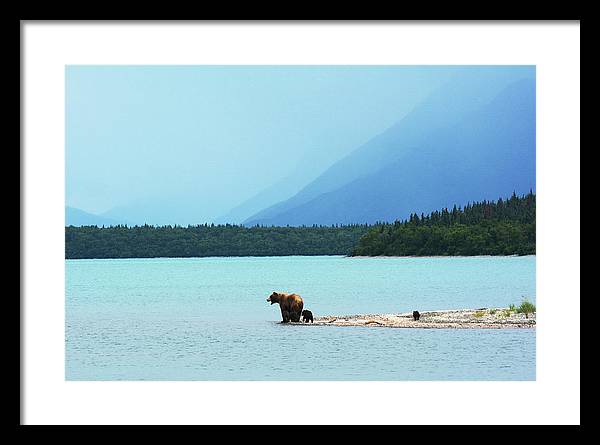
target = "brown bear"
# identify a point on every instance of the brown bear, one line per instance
(290, 304)
(307, 316)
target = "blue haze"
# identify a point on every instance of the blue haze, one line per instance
(188, 144)
(293, 144)
(77, 217)
(472, 139)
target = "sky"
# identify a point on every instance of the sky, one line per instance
(185, 144)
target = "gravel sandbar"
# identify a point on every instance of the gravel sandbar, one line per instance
(482, 318)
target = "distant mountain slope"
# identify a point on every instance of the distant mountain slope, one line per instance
(444, 108)
(277, 192)
(77, 217)
(469, 142)
(307, 169)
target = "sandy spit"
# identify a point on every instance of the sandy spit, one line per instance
(482, 318)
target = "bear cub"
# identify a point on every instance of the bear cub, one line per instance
(416, 315)
(307, 316)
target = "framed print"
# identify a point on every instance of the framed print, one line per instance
(220, 217)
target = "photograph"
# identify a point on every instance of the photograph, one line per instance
(300, 222)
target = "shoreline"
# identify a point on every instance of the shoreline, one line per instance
(294, 256)
(441, 256)
(481, 318)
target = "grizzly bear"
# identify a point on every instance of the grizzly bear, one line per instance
(416, 315)
(290, 305)
(307, 316)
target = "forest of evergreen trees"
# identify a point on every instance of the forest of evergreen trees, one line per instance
(503, 227)
(209, 240)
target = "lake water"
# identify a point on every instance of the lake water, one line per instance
(208, 319)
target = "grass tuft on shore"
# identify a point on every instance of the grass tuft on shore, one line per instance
(526, 308)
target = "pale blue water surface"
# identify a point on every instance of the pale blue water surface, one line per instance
(208, 319)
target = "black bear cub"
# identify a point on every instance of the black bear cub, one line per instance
(307, 316)
(416, 315)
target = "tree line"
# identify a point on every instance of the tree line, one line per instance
(209, 240)
(503, 227)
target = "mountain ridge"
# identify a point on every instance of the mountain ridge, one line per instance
(77, 218)
(504, 126)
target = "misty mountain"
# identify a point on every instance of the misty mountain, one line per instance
(304, 172)
(158, 211)
(473, 139)
(277, 192)
(77, 217)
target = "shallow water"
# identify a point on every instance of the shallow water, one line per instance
(208, 319)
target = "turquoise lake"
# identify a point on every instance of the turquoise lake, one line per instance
(208, 319)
